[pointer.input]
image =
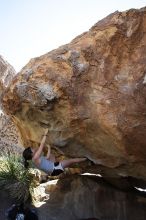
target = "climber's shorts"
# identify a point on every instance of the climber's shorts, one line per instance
(58, 169)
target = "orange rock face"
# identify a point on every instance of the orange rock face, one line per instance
(90, 93)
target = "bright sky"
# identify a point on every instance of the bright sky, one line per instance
(30, 28)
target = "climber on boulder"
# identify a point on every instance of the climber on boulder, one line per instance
(47, 163)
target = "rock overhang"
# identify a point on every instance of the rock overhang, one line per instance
(90, 94)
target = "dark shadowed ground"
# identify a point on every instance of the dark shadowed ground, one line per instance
(5, 203)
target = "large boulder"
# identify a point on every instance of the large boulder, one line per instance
(84, 197)
(90, 94)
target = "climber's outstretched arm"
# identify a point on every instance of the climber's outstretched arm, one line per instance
(40, 149)
(49, 152)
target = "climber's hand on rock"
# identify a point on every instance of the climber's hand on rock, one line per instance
(46, 131)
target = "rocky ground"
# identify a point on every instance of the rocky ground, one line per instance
(5, 203)
(78, 197)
